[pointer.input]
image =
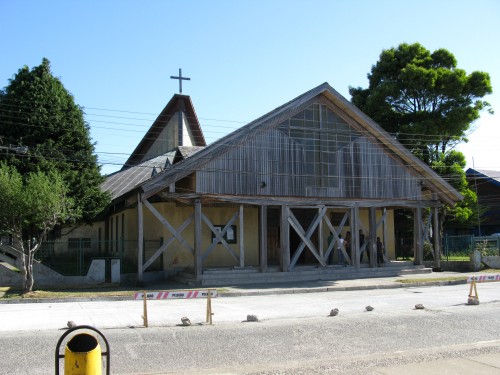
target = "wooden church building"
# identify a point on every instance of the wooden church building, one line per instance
(301, 193)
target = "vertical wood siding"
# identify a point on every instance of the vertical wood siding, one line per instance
(274, 164)
(314, 153)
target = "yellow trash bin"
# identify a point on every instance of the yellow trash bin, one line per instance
(82, 356)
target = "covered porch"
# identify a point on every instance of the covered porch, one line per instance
(284, 240)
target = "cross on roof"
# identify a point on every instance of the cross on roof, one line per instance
(180, 78)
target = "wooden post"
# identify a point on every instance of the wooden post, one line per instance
(321, 236)
(372, 237)
(437, 238)
(385, 232)
(417, 236)
(140, 238)
(241, 239)
(355, 236)
(198, 262)
(263, 238)
(145, 308)
(285, 239)
(209, 307)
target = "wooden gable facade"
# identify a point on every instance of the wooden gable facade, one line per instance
(277, 195)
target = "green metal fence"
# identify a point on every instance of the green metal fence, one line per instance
(73, 257)
(464, 245)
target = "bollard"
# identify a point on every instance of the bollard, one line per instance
(83, 354)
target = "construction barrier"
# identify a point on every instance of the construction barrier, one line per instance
(178, 294)
(473, 298)
(82, 355)
(483, 278)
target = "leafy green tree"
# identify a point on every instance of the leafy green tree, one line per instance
(38, 112)
(423, 98)
(31, 207)
(429, 105)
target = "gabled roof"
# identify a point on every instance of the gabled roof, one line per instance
(488, 175)
(324, 91)
(123, 181)
(177, 103)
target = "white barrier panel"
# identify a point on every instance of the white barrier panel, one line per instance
(177, 294)
(483, 278)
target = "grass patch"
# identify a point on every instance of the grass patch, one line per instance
(490, 270)
(430, 279)
(456, 258)
(82, 293)
(447, 278)
(42, 294)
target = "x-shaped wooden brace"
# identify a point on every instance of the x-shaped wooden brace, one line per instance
(306, 236)
(336, 239)
(176, 234)
(219, 236)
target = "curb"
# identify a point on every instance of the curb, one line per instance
(395, 285)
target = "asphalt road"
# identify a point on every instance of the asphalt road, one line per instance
(295, 335)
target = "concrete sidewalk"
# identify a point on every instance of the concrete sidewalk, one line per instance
(427, 279)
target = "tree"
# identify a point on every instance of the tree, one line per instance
(37, 111)
(423, 98)
(31, 207)
(429, 105)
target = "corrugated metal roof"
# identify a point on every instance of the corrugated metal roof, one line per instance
(123, 181)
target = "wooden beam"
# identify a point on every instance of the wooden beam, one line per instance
(437, 238)
(140, 238)
(335, 234)
(372, 236)
(355, 236)
(385, 232)
(241, 239)
(263, 238)
(165, 223)
(219, 236)
(306, 241)
(285, 239)
(167, 243)
(418, 245)
(321, 235)
(198, 261)
(307, 202)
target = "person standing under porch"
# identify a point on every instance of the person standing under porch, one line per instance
(347, 244)
(340, 246)
(380, 252)
(361, 243)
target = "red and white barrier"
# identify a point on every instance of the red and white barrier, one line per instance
(483, 278)
(176, 294)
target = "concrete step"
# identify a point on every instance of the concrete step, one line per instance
(221, 277)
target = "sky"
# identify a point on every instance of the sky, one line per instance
(244, 58)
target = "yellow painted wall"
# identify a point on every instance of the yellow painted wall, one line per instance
(82, 231)
(177, 255)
